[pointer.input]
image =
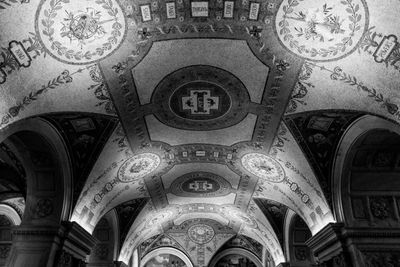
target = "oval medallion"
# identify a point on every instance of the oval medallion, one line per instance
(201, 233)
(319, 30)
(138, 166)
(80, 32)
(200, 98)
(200, 184)
(263, 167)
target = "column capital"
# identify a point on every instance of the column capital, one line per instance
(77, 241)
(328, 242)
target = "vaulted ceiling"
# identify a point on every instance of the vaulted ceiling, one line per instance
(228, 111)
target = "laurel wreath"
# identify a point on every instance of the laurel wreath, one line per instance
(354, 17)
(48, 22)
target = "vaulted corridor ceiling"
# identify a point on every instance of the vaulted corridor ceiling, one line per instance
(205, 114)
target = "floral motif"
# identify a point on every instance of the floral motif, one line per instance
(301, 88)
(263, 166)
(100, 89)
(380, 208)
(338, 74)
(323, 32)
(371, 42)
(63, 78)
(138, 166)
(9, 64)
(7, 3)
(44, 207)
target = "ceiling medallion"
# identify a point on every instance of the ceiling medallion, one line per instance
(138, 166)
(201, 98)
(80, 32)
(201, 233)
(322, 31)
(200, 184)
(263, 167)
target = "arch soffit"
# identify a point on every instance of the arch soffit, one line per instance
(51, 135)
(10, 213)
(358, 128)
(166, 250)
(235, 251)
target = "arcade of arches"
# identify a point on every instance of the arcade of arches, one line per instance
(220, 133)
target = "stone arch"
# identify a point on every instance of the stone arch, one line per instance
(44, 155)
(11, 213)
(105, 252)
(166, 250)
(346, 154)
(296, 234)
(235, 251)
(6, 225)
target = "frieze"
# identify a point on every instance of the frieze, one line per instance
(200, 184)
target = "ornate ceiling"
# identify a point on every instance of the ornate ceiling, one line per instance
(199, 120)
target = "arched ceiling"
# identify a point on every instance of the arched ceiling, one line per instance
(200, 106)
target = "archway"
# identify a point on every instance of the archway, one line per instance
(235, 257)
(165, 257)
(44, 157)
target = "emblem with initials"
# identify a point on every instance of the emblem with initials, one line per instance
(200, 102)
(200, 186)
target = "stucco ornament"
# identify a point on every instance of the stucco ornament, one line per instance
(80, 32)
(321, 30)
(138, 166)
(263, 167)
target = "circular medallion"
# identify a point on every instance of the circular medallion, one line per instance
(321, 31)
(200, 98)
(263, 167)
(200, 184)
(201, 233)
(138, 166)
(80, 32)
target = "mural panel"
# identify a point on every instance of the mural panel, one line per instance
(165, 260)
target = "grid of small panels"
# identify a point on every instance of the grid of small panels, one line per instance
(227, 9)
